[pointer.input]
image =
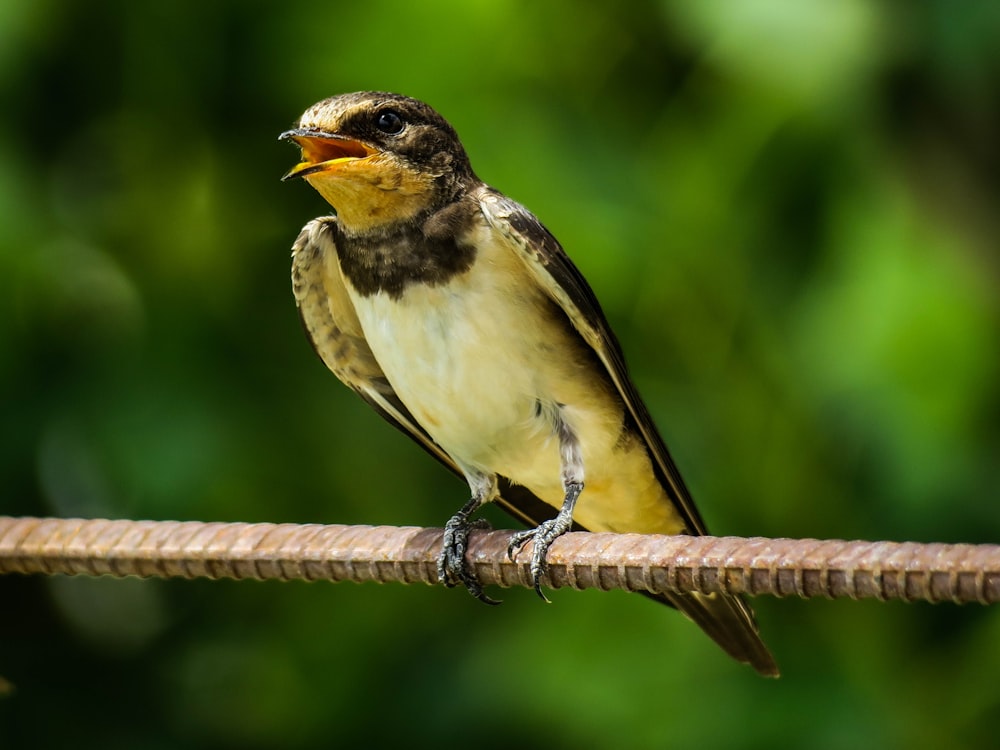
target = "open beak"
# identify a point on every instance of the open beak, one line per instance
(322, 152)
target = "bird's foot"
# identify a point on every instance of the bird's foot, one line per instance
(452, 567)
(543, 536)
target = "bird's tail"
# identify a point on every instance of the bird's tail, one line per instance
(728, 621)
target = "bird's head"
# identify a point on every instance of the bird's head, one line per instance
(378, 158)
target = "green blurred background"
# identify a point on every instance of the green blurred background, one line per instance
(804, 272)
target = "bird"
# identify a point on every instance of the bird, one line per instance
(452, 311)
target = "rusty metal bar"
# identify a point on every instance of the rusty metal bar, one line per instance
(958, 573)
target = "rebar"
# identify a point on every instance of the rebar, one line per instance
(907, 571)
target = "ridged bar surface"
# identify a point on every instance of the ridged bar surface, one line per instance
(959, 573)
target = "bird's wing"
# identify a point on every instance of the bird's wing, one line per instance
(727, 619)
(334, 330)
(555, 273)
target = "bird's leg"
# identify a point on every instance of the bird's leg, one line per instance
(452, 567)
(546, 533)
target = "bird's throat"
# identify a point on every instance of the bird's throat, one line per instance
(375, 194)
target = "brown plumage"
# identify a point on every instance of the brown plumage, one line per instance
(452, 311)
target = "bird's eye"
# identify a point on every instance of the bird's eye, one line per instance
(389, 122)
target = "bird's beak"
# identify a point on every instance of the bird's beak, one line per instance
(322, 152)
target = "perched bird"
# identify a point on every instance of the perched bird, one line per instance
(452, 311)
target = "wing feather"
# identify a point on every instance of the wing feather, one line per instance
(727, 619)
(332, 325)
(556, 273)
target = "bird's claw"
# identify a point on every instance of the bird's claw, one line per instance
(543, 536)
(452, 567)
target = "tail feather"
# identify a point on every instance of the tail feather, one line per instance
(729, 622)
(726, 619)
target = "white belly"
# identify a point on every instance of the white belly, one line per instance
(483, 363)
(463, 357)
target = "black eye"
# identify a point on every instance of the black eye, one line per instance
(389, 122)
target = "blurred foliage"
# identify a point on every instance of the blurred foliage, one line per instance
(790, 213)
